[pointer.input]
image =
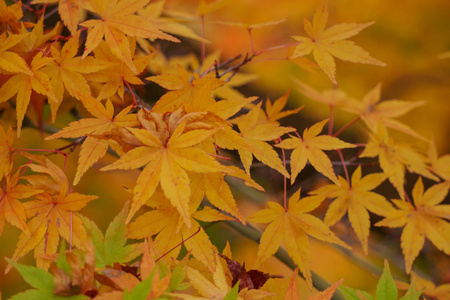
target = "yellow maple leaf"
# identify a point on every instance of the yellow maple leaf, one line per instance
(439, 165)
(69, 11)
(309, 148)
(118, 72)
(422, 220)
(184, 90)
(375, 113)
(23, 84)
(11, 61)
(293, 225)
(428, 288)
(167, 152)
(332, 97)
(356, 199)
(153, 12)
(118, 19)
(66, 71)
(256, 132)
(326, 43)
(95, 145)
(217, 289)
(166, 224)
(395, 159)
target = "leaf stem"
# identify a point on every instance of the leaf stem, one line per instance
(337, 133)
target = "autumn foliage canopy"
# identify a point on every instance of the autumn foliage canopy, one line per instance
(133, 87)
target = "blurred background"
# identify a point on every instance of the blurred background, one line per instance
(411, 37)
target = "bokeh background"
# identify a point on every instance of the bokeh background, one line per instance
(410, 37)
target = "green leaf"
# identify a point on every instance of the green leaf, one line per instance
(141, 290)
(178, 276)
(412, 294)
(44, 295)
(348, 293)
(234, 293)
(97, 239)
(116, 237)
(35, 277)
(386, 289)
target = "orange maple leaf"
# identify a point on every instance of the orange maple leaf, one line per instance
(326, 43)
(11, 16)
(293, 225)
(10, 208)
(356, 199)
(52, 214)
(6, 151)
(118, 19)
(425, 219)
(309, 148)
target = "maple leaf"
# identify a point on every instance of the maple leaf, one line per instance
(252, 279)
(386, 289)
(375, 113)
(110, 248)
(293, 225)
(218, 289)
(23, 84)
(113, 77)
(423, 220)
(167, 153)
(42, 282)
(52, 214)
(309, 148)
(95, 146)
(439, 165)
(11, 209)
(153, 12)
(10, 17)
(81, 278)
(427, 287)
(328, 293)
(357, 200)
(171, 230)
(35, 40)
(118, 19)
(274, 111)
(256, 134)
(395, 159)
(183, 89)
(11, 61)
(67, 69)
(6, 151)
(68, 10)
(332, 97)
(326, 43)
